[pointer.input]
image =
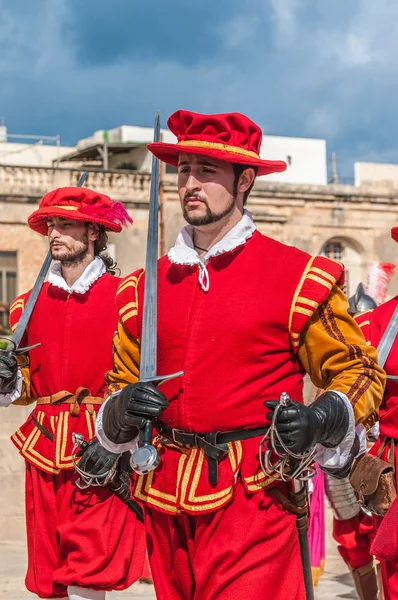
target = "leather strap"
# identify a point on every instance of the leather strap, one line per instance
(289, 504)
(42, 429)
(81, 396)
(190, 438)
(213, 444)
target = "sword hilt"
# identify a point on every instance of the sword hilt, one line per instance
(145, 458)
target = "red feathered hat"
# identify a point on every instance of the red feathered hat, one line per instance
(79, 204)
(232, 137)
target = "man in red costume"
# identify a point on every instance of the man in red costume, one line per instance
(80, 542)
(244, 317)
(374, 324)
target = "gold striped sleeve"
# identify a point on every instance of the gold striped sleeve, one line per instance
(334, 353)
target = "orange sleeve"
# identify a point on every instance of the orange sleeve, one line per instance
(16, 310)
(126, 361)
(334, 353)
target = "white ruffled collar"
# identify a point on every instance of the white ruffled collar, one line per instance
(184, 253)
(91, 273)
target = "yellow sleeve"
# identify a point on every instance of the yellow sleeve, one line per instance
(126, 361)
(334, 353)
(25, 397)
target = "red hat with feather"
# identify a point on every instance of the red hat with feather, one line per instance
(79, 204)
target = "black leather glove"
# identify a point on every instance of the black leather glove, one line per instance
(124, 415)
(95, 459)
(301, 427)
(8, 372)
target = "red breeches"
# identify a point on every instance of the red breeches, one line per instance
(389, 571)
(354, 537)
(86, 538)
(249, 549)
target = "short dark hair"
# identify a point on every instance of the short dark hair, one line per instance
(238, 170)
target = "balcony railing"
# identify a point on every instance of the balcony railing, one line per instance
(36, 181)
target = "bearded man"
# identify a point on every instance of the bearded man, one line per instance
(244, 317)
(81, 543)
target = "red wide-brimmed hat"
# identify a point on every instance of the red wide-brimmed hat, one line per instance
(79, 204)
(232, 137)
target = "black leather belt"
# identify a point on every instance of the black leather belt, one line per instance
(214, 444)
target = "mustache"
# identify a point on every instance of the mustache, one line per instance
(193, 196)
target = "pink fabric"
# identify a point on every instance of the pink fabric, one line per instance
(316, 534)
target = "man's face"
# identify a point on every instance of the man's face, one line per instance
(68, 239)
(206, 188)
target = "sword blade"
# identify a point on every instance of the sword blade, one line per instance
(149, 317)
(27, 313)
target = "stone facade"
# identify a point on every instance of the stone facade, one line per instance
(354, 221)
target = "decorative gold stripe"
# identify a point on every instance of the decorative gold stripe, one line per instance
(298, 290)
(13, 327)
(89, 426)
(260, 484)
(369, 343)
(218, 146)
(324, 274)
(304, 311)
(65, 207)
(295, 336)
(19, 434)
(207, 497)
(222, 496)
(364, 313)
(364, 323)
(307, 301)
(17, 304)
(17, 440)
(131, 281)
(126, 307)
(128, 315)
(321, 281)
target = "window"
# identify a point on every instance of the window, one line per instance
(8, 285)
(333, 250)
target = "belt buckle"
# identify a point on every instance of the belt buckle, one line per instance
(173, 434)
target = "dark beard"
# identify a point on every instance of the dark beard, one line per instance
(73, 258)
(209, 217)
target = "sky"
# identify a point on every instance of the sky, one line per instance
(302, 68)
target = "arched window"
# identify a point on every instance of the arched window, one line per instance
(349, 252)
(333, 250)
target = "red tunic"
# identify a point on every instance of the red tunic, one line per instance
(259, 322)
(75, 332)
(87, 538)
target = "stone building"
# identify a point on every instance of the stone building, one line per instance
(349, 223)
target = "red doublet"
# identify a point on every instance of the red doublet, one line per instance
(373, 325)
(236, 344)
(75, 332)
(86, 538)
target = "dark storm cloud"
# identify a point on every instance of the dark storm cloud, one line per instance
(104, 33)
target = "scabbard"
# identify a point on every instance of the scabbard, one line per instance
(299, 497)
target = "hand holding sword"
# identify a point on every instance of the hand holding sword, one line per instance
(135, 408)
(294, 467)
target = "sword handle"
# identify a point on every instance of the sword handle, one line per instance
(146, 458)
(146, 434)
